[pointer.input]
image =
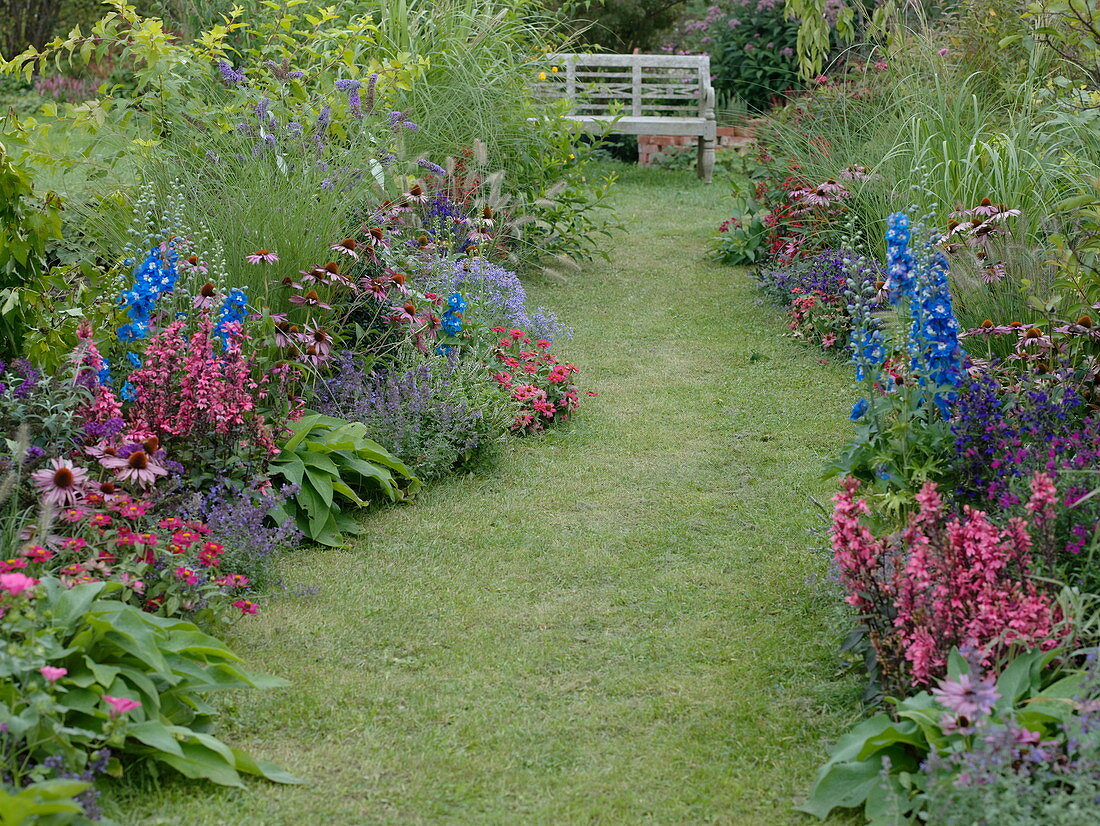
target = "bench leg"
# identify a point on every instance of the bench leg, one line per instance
(704, 160)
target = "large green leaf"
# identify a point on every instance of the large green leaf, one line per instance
(198, 761)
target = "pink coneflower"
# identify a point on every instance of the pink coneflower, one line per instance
(63, 485)
(318, 344)
(207, 297)
(262, 256)
(399, 280)
(139, 467)
(417, 195)
(375, 237)
(405, 314)
(120, 705)
(378, 288)
(192, 264)
(310, 299)
(985, 208)
(348, 247)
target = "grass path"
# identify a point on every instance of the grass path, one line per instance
(618, 623)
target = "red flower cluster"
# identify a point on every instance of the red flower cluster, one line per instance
(535, 378)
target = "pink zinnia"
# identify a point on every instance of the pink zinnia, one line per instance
(246, 606)
(262, 256)
(16, 583)
(52, 673)
(63, 485)
(120, 705)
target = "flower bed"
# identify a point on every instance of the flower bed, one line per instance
(188, 404)
(965, 531)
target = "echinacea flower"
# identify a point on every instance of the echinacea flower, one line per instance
(265, 256)
(310, 299)
(120, 705)
(63, 485)
(967, 696)
(348, 246)
(138, 467)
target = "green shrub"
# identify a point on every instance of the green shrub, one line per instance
(334, 464)
(70, 654)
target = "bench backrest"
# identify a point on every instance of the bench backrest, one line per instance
(643, 84)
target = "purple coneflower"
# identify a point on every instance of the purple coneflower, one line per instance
(310, 299)
(138, 467)
(348, 246)
(967, 696)
(262, 255)
(63, 485)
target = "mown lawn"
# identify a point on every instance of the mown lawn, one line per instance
(625, 621)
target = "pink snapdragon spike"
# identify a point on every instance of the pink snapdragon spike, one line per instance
(52, 673)
(120, 705)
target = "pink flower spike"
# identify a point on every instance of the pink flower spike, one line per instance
(52, 673)
(120, 705)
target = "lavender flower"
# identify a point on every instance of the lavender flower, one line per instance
(352, 88)
(231, 76)
(425, 414)
(434, 168)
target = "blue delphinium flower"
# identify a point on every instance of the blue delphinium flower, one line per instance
(858, 409)
(127, 392)
(234, 308)
(900, 266)
(133, 358)
(452, 319)
(935, 356)
(156, 274)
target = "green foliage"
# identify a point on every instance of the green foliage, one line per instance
(748, 60)
(622, 25)
(742, 237)
(27, 225)
(858, 776)
(110, 649)
(335, 465)
(44, 802)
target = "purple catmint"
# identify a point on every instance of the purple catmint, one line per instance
(423, 414)
(497, 295)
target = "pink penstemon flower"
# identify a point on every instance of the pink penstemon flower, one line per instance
(120, 705)
(52, 673)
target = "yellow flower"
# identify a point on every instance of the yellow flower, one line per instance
(572, 156)
(554, 69)
(542, 75)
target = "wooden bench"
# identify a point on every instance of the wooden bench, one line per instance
(639, 94)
